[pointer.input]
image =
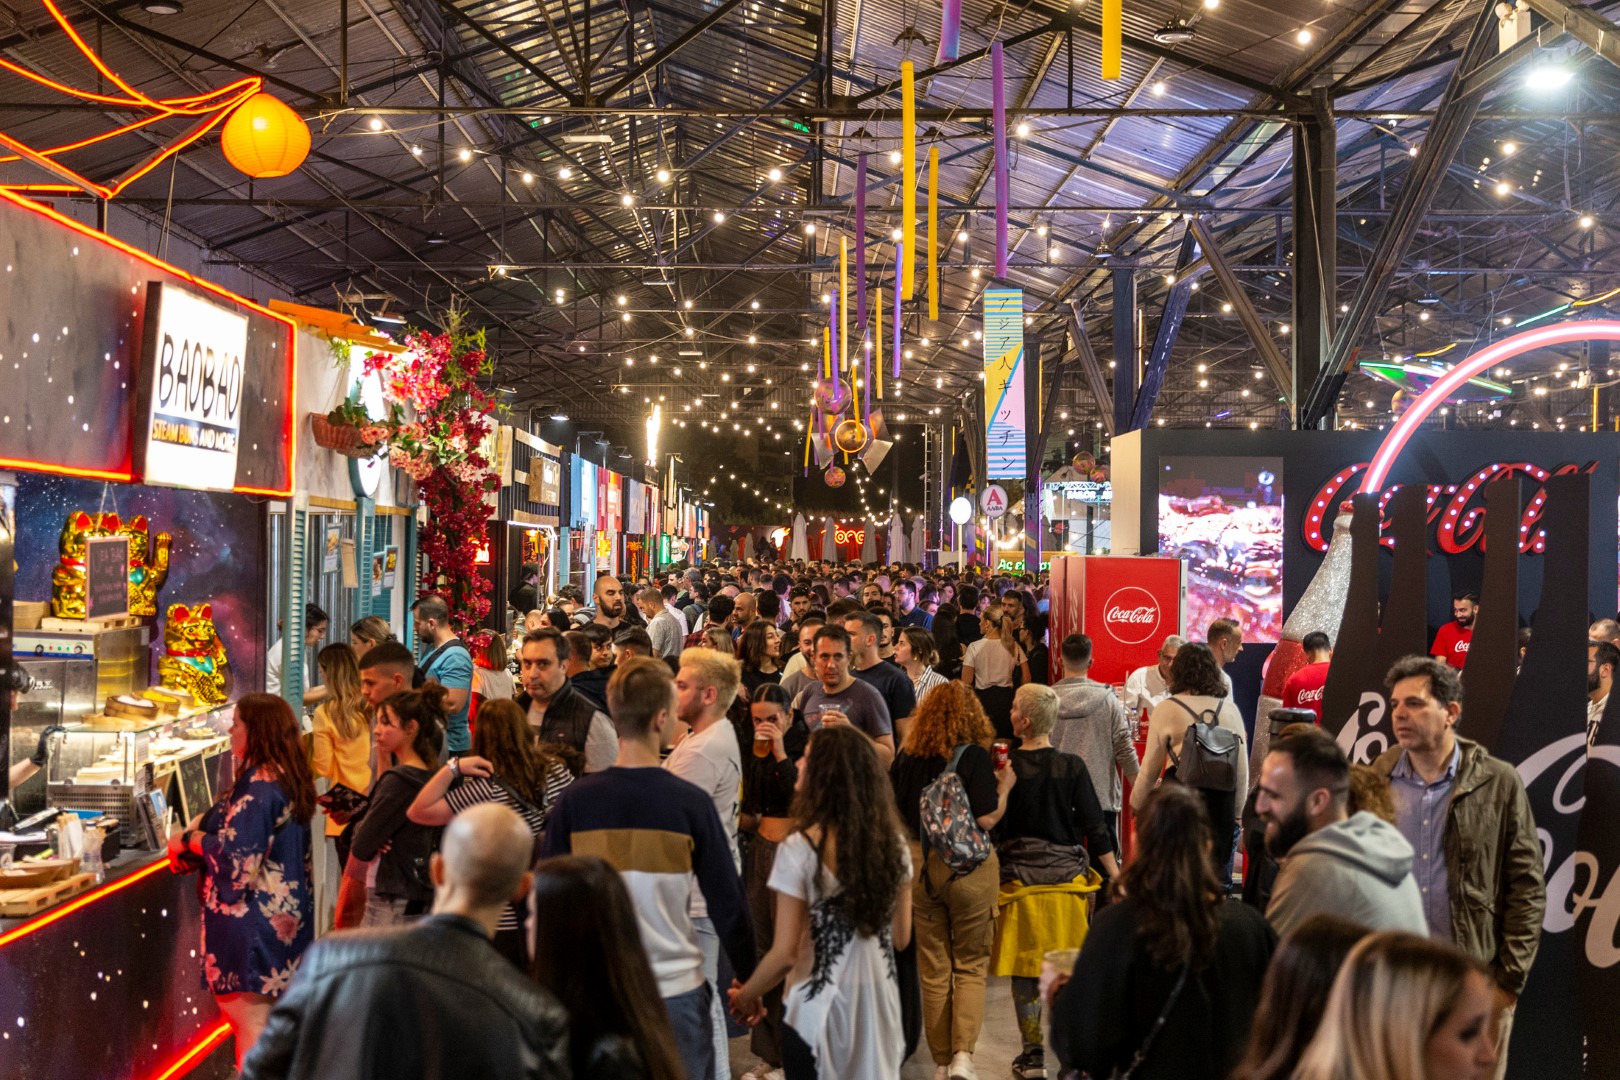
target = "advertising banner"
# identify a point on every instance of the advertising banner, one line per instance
(1006, 431)
(1127, 604)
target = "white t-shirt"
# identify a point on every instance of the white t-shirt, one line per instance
(992, 664)
(1144, 688)
(492, 685)
(712, 761)
(272, 671)
(846, 1006)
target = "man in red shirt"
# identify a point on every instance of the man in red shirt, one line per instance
(1451, 643)
(1303, 690)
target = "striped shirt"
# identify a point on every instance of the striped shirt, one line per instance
(469, 791)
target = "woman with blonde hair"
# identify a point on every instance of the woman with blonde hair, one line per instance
(367, 633)
(954, 912)
(1404, 1008)
(340, 753)
(993, 666)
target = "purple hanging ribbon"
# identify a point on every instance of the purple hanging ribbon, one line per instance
(950, 30)
(898, 261)
(860, 243)
(832, 320)
(999, 107)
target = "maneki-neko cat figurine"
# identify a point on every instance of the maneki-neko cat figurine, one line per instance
(148, 562)
(193, 657)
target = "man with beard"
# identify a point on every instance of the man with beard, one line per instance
(1356, 867)
(1602, 661)
(1451, 643)
(608, 611)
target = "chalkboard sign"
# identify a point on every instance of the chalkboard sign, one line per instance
(106, 571)
(195, 795)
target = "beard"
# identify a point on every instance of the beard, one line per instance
(1283, 833)
(1593, 682)
(1464, 621)
(613, 609)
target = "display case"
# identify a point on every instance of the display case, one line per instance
(61, 690)
(91, 766)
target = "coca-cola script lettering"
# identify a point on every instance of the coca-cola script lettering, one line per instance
(1131, 615)
(1456, 513)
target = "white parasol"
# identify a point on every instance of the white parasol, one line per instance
(897, 540)
(829, 541)
(869, 547)
(919, 541)
(799, 549)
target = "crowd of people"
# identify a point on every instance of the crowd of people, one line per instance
(825, 804)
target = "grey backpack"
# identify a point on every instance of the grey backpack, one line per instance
(1209, 753)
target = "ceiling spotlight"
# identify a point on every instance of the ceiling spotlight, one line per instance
(623, 299)
(774, 175)
(1023, 130)
(565, 173)
(1304, 36)
(1177, 31)
(809, 228)
(894, 157)
(662, 176)
(1587, 221)
(754, 305)
(1503, 187)
(627, 199)
(162, 7)
(528, 177)
(719, 216)
(465, 155)
(375, 123)
(1102, 251)
(690, 331)
(416, 150)
(1509, 149)
(962, 236)
(895, 234)
(687, 304)
(1040, 230)
(1547, 76)
(1209, 5)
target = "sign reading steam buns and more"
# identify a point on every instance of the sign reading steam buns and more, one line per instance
(191, 391)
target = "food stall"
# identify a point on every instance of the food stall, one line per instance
(136, 458)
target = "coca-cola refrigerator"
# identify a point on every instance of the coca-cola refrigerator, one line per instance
(1127, 604)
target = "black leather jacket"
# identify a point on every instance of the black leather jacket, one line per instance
(430, 1002)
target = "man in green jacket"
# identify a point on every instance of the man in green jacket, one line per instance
(1478, 860)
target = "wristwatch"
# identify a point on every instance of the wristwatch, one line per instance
(455, 766)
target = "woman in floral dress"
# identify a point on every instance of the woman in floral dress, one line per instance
(256, 888)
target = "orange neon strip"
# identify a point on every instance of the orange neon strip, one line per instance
(65, 148)
(208, 1040)
(81, 902)
(159, 158)
(66, 470)
(288, 432)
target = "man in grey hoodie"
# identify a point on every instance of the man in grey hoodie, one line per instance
(1357, 867)
(1092, 725)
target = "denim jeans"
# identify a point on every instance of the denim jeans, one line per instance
(709, 941)
(690, 1017)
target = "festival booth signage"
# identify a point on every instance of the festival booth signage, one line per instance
(1127, 605)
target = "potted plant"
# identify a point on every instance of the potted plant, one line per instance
(348, 430)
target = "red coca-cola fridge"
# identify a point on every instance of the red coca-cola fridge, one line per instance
(1127, 604)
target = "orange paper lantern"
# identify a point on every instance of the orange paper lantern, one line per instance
(265, 138)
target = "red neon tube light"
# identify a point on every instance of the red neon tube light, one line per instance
(288, 434)
(1435, 396)
(80, 902)
(195, 1052)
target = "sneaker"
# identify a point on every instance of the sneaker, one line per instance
(1030, 1065)
(962, 1066)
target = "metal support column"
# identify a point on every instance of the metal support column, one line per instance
(1188, 267)
(1035, 377)
(1315, 245)
(1597, 375)
(1124, 347)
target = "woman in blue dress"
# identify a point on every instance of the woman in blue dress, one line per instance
(256, 888)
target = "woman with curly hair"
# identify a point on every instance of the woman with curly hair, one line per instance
(955, 913)
(839, 880)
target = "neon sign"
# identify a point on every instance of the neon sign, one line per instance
(1459, 523)
(848, 535)
(1016, 566)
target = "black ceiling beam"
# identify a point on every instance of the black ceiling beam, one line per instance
(461, 17)
(652, 62)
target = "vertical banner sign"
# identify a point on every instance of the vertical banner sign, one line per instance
(1006, 433)
(191, 391)
(908, 180)
(933, 233)
(1113, 36)
(998, 98)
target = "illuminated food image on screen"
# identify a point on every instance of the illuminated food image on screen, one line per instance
(1224, 516)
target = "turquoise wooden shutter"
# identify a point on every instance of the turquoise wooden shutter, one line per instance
(295, 573)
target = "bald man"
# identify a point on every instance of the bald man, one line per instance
(430, 999)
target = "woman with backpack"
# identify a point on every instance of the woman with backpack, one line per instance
(954, 896)
(1198, 695)
(506, 766)
(1167, 983)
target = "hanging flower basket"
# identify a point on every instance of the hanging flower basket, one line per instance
(344, 439)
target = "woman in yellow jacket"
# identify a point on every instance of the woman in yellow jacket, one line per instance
(340, 751)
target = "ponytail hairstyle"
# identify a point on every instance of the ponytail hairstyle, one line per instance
(425, 707)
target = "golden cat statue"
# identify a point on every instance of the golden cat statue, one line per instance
(193, 657)
(148, 562)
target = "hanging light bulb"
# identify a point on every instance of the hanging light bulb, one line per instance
(662, 176)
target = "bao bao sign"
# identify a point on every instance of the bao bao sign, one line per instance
(191, 391)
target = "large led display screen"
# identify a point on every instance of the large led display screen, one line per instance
(1224, 517)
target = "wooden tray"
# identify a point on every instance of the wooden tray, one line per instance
(23, 902)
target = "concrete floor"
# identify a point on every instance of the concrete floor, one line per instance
(998, 1043)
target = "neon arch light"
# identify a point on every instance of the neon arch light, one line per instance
(1488, 357)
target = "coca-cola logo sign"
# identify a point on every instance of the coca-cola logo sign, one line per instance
(1131, 615)
(1456, 512)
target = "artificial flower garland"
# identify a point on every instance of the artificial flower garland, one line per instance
(441, 449)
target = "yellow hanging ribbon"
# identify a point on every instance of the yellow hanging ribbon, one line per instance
(1113, 32)
(826, 352)
(808, 428)
(846, 362)
(933, 233)
(908, 180)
